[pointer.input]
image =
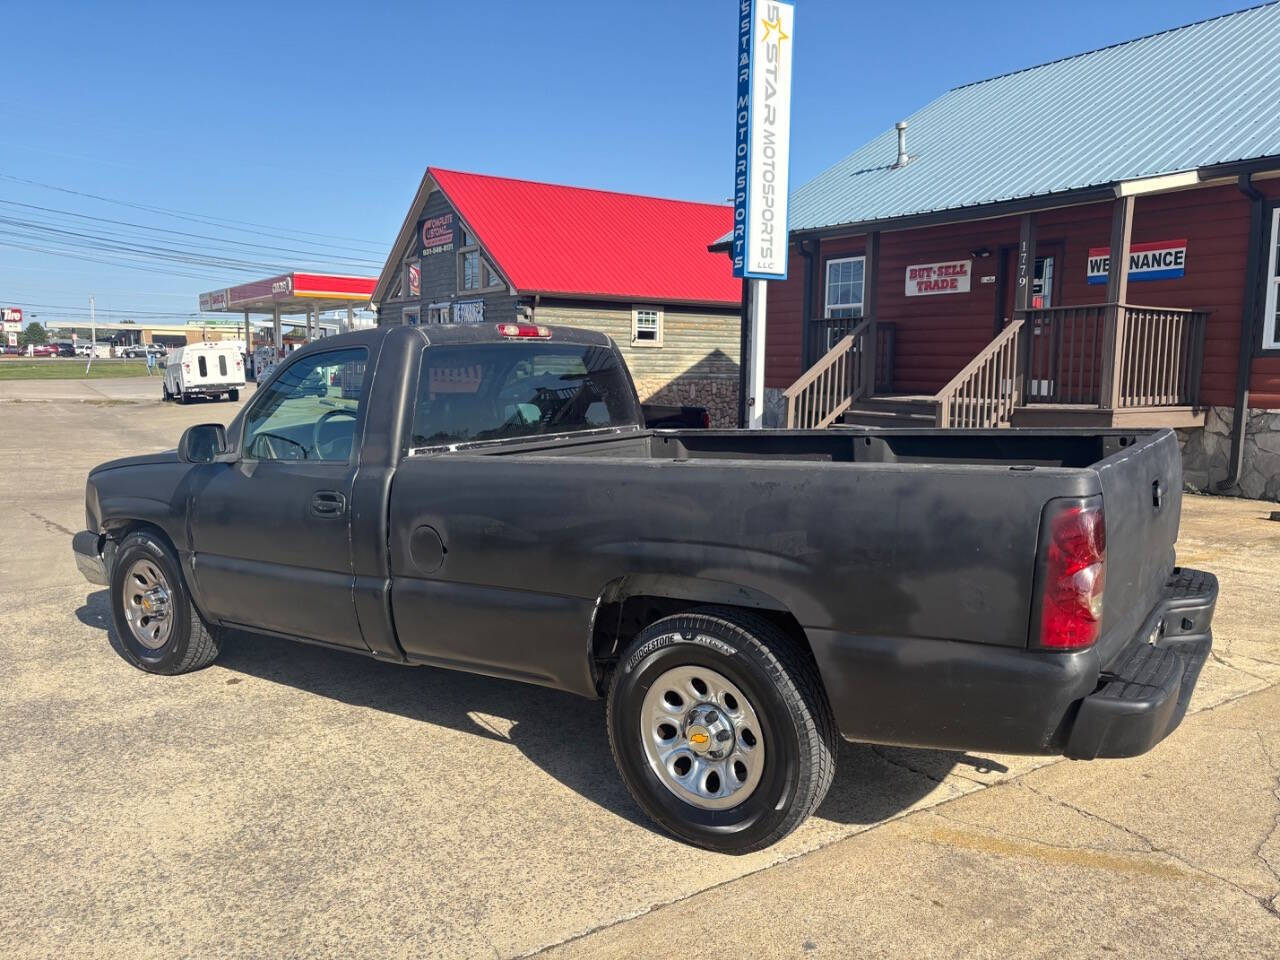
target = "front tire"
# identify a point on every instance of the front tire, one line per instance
(159, 628)
(721, 729)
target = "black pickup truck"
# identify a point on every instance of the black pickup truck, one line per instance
(486, 498)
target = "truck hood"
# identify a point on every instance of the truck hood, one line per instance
(165, 456)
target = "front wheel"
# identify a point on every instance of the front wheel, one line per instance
(159, 628)
(721, 729)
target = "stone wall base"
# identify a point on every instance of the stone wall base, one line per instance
(718, 394)
(1206, 454)
(775, 407)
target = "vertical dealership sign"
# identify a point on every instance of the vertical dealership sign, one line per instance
(762, 151)
(761, 164)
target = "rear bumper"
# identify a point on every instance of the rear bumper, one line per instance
(946, 694)
(1143, 695)
(84, 545)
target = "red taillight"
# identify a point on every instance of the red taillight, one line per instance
(1075, 575)
(523, 330)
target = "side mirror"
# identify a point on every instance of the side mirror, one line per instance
(203, 443)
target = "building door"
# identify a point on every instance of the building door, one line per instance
(1045, 286)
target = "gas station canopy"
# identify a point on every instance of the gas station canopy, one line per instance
(292, 293)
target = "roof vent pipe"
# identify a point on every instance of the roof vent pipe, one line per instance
(901, 127)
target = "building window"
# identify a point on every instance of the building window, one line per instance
(646, 326)
(410, 316)
(1271, 320)
(474, 271)
(844, 287)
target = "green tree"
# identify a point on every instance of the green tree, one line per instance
(33, 333)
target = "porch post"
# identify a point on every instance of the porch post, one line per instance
(1026, 262)
(870, 277)
(1117, 293)
(1022, 302)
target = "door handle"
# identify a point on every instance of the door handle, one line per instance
(328, 503)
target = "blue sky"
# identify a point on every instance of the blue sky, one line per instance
(314, 121)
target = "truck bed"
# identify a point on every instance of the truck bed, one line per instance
(1011, 448)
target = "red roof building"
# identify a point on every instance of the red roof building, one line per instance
(476, 248)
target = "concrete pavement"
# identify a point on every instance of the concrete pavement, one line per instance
(1174, 854)
(297, 801)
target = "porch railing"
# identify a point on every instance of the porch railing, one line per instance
(1161, 358)
(826, 332)
(1106, 355)
(985, 392)
(830, 386)
(1114, 355)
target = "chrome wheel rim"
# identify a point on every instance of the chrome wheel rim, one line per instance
(702, 737)
(147, 603)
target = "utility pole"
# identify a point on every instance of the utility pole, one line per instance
(93, 336)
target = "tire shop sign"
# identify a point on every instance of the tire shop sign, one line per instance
(930, 279)
(436, 234)
(1158, 260)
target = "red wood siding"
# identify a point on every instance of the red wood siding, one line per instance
(937, 335)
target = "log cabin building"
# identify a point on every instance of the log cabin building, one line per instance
(958, 271)
(483, 249)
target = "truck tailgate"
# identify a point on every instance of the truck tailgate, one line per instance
(1142, 499)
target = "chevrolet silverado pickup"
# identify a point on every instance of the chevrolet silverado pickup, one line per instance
(487, 498)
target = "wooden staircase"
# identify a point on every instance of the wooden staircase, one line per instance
(1107, 364)
(891, 411)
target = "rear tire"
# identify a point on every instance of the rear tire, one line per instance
(233, 395)
(181, 397)
(747, 755)
(159, 628)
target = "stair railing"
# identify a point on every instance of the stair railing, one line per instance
(985, 393)
(828, 388)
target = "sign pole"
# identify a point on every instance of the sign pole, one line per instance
(93, 336)
(755, 386)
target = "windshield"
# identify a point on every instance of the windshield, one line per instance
(497, 391)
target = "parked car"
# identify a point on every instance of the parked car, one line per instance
(490, 501)
(66, 349)
(207, 369)
(44, 350)
(142, 350)
(11, 351)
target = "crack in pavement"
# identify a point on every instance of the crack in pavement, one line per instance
(1258, 851)
(1267, 903)
(1214, 655)
(50, 524)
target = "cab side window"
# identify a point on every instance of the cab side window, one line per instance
(310, 411)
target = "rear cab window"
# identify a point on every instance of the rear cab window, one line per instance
(475, 393)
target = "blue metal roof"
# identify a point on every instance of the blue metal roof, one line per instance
(1191, 97)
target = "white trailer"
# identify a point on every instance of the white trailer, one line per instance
(208, 369)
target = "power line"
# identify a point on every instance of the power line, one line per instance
(127, 264)
(198, 236)
(223, 222)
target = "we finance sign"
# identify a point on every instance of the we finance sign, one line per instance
(1159, 260)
